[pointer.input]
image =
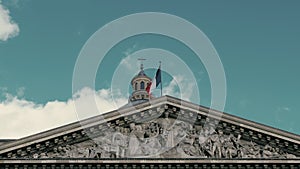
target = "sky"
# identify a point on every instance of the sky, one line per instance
(258, 43)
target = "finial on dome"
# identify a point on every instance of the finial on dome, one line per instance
(142, 65)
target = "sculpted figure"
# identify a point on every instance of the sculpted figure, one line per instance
(83, 152)
(250, 150)
(139, 132)
(43, 155)
(168, 132)
(181, 133)
(267, 151)
(69, 151)
(205, 142)
(191, 150)
(276, 153)
(289, 156)
(217, 143)
(105, 151)
(54, 153)
(134, 143)
(94, 152)
(203, 136)
(271, 152)
(152, 129)
(230, 146)
(151, 146)
(119, 144)
(240, 153)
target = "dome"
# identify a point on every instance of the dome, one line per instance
(140, 75)
(139, 85)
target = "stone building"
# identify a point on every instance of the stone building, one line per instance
(163, 132)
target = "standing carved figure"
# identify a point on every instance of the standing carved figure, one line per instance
(216, 150)
(119, 143)
(168, 131)
(230, 146)
(134, 143)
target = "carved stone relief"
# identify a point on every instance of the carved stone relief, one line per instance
(165, 138)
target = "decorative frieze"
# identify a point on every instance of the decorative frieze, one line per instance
(162, 132)
(165, 137)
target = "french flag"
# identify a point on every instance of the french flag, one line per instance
(155, 82)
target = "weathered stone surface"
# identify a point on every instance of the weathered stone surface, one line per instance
(165, 138)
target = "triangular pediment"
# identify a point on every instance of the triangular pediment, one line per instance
(165, 127)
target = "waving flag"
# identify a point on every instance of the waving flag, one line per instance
(155, 82)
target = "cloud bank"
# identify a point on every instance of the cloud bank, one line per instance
(20, 117)
(8, 28)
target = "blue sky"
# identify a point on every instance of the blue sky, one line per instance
(257, 41)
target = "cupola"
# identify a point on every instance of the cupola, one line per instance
(139, 84)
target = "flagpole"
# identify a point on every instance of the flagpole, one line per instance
(160, 79)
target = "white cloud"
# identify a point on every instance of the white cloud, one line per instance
(20, 91)
(180, 87)
(20, 117)
(126, 63)
(130, 50)
(8, 28)
(283, 109)
(3, 89)
(286, 109)
(128, 60)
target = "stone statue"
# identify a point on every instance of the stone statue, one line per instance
(134, 147)
(167, 131)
